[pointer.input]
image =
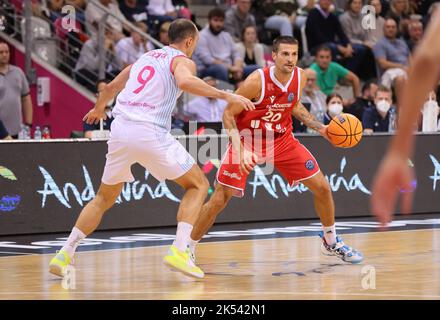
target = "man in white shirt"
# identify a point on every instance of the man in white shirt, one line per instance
(129, 49)
(206, 109)
(94, 14)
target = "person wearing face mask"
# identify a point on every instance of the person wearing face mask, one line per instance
(334, 107)
(376, 119)
(430, 113)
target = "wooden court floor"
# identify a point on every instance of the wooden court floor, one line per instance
(397, 265)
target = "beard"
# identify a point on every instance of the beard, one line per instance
(215, 31)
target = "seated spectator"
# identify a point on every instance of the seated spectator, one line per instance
(279, 15)
(4, 135)
(400, 11)
(376, 119)
(329, 73)
(216, 53)
(163, 33)
(334, 107)
(15, 98)
(415, 33)
(323, 27)
(237, 18)
(205, 109)
(80, 7)
(55, 7)
(315, 97)
(88, 128)
(392, 56)
(352, 24)
(374, 35)
(94, 14)
(251, 51)
(129, 49)
(87, 66)
(160, 11)
(365, 101)
(133, 11)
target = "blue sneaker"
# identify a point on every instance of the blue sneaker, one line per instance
(341, 250)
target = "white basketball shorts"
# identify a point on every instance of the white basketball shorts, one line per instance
(153, 148)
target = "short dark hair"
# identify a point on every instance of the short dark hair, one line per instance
(243, 31)
(323, 48)
(283, 39)
(181, 29)
(333, 95)
(367, 85)
(216, 13)
(382, 88)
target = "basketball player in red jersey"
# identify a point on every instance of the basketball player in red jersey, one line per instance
(276, 92)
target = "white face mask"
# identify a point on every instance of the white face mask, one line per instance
(334, 109)
(383, 106)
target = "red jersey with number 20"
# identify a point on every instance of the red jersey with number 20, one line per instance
(273, 111)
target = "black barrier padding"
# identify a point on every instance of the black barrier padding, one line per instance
(55, 180)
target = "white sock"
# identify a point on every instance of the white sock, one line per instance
(192, 245)
(183, 235)
(73, 241)
(330, 234)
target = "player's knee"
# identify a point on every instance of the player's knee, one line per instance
(323, 189)
(220, 199)
(104, 201)
(203, 184)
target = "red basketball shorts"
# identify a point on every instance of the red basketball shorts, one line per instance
(293, 160)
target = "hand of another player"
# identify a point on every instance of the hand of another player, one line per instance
(248, 160)
(240, 100)
(93, 116)
(393, 176)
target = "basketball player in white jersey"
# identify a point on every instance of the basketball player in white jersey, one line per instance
(394, 173)
(140, 134)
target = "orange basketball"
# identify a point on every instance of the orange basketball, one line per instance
(345, 130)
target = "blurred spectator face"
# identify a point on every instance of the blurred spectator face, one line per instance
(80, 4)
(323, 59)
(399, 5)
(286, 57)
(377, 5)
(311, 80)
(216, 25)
(335, 106)
(325, 4)
(56, 5)
(383, 96)
(390, 28)
(356, 6)
(105, 2)
(131, 3)
(163, 33)
(415, 30)
(244, 6)
(250, 35)
(4, 54)
(137, 38)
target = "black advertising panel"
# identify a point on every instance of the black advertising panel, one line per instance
(44, 185)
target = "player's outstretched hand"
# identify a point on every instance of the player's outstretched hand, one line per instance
(394, 176)
(93, 116)
(237, 99)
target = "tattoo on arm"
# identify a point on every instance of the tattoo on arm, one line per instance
(301, 113)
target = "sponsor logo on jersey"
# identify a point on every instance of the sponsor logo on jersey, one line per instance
(272, 99)
(290, 97)
(310, 165)
(232, 175)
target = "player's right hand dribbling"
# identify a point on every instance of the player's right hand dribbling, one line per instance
(243, 101)
(93, 116)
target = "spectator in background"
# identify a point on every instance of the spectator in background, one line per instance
(392, 56)
(55, 7)
(15, 100)
(4, 135)
(237, 18)
(251, 52)
(400, 11)
(80, 6)
(329, 73)
(133, 11)
(94, 14)
(129, 49)
(364, 102)
(163, 33)
(206, 109)
(88, 128)
(415, 34)
(280, 15)
(160, 11)
(216, 53)
(374, 35)
(313, 96)
(334, 107)
(377, 119)
(351, 22)
(87, 66)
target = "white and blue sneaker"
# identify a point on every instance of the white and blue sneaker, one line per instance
(340, 250)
